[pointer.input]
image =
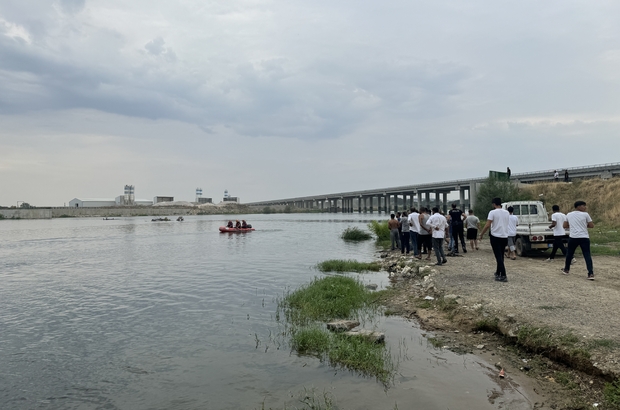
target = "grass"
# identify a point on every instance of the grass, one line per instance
(381, 231)
(310, 399)
(604, 343)
(355, 234)
(332, 297)
(328, 298)
(340, 265)
(612, 394)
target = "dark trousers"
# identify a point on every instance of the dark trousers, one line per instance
(457, 233)
(584, 244)
(438, 245)
(414, 243)
(425, 241)
(498, 245)
(558, 243)
(404, 242)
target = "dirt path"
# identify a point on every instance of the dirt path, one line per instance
(537, 295)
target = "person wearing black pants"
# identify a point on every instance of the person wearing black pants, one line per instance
(498, 221)
(456, 222)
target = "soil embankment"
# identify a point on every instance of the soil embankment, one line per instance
(562, 329)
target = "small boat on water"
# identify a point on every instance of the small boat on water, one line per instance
(238, 230)
(160, 219)
(180, 219)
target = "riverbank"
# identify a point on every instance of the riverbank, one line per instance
(563, 331)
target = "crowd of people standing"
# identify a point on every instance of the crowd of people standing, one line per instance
(425, 230)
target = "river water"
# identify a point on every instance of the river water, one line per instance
(134, 314)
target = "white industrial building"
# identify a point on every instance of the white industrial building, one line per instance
(104, 202)
(91, 202)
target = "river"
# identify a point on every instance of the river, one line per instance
(134, 314)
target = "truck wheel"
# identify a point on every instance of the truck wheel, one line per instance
(520, 247)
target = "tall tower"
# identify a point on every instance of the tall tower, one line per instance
(129, 197)
(225, 194)
(198, 194)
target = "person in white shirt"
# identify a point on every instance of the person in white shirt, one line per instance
(497, 221)
(559, 234)
(513, 222)
(439, 226)
(414, 223)
(578, 223)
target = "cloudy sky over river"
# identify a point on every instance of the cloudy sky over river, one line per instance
(273, 99)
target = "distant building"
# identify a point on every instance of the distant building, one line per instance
(228, 198)
(91, 202)
(159, 199)
(204, 200)
(121, 201)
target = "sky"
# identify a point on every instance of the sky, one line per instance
(284, 98)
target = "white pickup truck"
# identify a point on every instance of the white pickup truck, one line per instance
(533, 232)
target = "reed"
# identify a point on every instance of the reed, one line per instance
(355, 234)
(350, 265)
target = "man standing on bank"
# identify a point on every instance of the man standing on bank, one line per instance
(439, 225)
(557, 224)
(498, 220)
(578, 223)
(456, 222)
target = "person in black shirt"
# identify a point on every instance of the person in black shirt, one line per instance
(456, 222)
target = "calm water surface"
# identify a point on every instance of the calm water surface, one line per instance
(134, 314)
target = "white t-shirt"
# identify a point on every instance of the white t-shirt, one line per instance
(499, 222)
(558, 229)
(414, 221)
(440, 222)
(513, 221)
(578, 224)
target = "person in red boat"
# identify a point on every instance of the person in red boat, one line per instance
(229, 224)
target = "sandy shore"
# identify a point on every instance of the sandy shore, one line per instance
(471, 312)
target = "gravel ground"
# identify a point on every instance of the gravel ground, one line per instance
(537, 294)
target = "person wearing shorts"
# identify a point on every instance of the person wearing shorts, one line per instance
(472, 223)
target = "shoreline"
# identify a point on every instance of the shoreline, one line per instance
(522, 326)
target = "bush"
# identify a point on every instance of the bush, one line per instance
(494, 188)
(355, 234)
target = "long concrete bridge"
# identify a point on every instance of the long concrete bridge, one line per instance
(431, 194)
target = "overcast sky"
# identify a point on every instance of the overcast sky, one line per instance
(285, 98)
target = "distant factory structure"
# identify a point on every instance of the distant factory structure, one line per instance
(228, 198)
(200, 199)
(127, 199)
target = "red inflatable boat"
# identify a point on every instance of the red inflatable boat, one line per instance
(225, 229)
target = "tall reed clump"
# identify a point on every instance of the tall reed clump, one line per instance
(381, 230)
(355, 234)
(329, 298)
(340, 265)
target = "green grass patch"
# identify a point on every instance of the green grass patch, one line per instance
(565, 379)
(604, 240)
(331, 297)
(350, 265)
(435, 342)
(604, 343)
(487, 325)
(355, 234)
(612, 394)
(328, 298)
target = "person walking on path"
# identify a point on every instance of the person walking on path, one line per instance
(414, 223)
(559, 233)
(578, 222)
(497, 221)
(472, 224)
(513, 222)
(439, 226)
(566, 175)
(394, 235)
(425, 238)
(404, 233)
(556, 175)
(508, 172)
(456, 223)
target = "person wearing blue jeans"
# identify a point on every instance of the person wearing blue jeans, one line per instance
(578, 222)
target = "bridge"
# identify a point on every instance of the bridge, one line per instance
(431, 194)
